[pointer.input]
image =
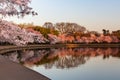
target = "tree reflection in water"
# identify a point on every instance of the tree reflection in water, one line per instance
(62, 57)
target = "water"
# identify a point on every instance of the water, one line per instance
(72, 63)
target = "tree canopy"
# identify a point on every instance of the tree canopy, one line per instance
(16, 7)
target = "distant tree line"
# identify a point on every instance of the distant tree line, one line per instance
(72, 29)
(58, 28)
(63, 32)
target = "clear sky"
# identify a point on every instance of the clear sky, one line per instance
(93, 14)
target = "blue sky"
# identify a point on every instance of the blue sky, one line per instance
(93, 14)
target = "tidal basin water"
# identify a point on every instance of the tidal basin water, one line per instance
(71, 63)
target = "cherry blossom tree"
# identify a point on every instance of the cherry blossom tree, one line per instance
(15, 7)
(12, 33)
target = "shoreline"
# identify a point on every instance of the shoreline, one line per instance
(9, 48)
(10, 70)
(22, 73)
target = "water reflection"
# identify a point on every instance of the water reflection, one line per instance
(62, 57)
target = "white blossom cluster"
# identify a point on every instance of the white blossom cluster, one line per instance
(15, 7)
(53, 39)
(13, 34)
